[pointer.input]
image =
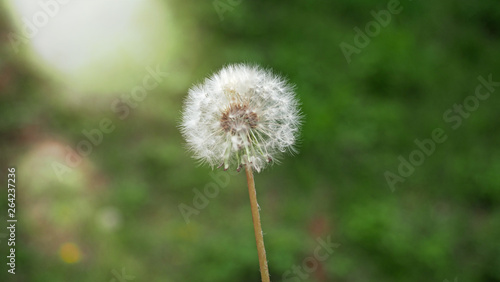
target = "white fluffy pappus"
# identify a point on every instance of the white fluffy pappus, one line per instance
(241, 115)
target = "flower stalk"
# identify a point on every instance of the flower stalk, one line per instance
(259, 238)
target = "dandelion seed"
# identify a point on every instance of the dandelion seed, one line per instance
(242, 115)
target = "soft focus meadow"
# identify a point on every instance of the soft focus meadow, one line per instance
(397, 176)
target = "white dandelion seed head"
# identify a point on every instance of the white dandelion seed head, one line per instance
(242, 115)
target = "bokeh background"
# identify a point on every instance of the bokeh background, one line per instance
(114, 214)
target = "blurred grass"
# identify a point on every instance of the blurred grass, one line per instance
(442, 222)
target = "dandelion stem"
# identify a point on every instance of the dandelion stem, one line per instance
(264, 270)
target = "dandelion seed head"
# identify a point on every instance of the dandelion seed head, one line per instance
(241, 115)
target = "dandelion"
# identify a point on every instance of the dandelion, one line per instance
(242, 116)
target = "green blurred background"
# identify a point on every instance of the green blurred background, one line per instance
(117, 212)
